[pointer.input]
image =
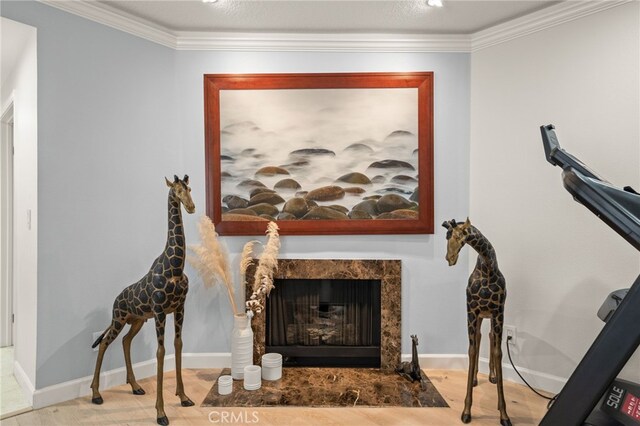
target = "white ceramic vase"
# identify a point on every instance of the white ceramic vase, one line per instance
(241, 345)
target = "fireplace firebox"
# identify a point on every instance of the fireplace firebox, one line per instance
(325, 322)
(378, 345)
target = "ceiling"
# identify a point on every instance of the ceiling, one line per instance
(324, 16)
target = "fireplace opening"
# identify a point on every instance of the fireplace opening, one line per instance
(325, 322)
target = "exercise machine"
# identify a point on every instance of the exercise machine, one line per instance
(593, 395)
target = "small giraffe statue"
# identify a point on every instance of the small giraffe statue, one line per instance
(160, 292)
(486, 294)
(411, 370)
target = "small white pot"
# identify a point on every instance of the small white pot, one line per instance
(252, 377)
(271, 366)
(225, 385)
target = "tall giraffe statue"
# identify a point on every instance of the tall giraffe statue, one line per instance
(160, 292)
(486, 294)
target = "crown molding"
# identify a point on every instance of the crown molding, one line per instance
(331, 42)
(111, 17)
(315, 42)
(546, 18)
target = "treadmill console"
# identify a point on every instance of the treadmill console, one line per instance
(622, 402)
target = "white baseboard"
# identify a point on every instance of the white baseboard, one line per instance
(440, 361)
(80, 387)
(537, 379)
(23, 380)
(207, 360)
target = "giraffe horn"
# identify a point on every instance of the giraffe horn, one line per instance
(175, 178)
(186, 179)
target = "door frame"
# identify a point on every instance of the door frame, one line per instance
(7, 324)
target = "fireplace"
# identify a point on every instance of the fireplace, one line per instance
(324, 322)
(359, 299)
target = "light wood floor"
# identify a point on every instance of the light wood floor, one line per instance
(122, 408)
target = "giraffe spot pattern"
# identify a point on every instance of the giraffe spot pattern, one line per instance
(158, 297)
(484, 294)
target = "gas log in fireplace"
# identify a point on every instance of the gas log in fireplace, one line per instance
(332, 313)
(324, 322)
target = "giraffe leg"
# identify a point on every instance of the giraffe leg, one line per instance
(473, 323)
(178, 317)
(492, 364)
(109, 336)
(478, 338)
(160, 318)
(496, 350)
(126, 344)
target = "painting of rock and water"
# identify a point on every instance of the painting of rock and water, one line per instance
(305, 154)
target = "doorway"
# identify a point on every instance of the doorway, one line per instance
(12, 399)
(7, 329)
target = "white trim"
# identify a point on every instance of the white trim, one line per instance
(7, 259)
(440, 361)
(549, 17)
(321, 42)
(537, 379)
(23, 380)
(207, 360)
(80, 387)
(334, 42)
(111, 17)
(8, 104)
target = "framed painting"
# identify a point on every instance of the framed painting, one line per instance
(320, 153)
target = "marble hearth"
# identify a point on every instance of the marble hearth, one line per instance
(388, 272)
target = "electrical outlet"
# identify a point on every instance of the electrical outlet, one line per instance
(94, 338)
(510, 331)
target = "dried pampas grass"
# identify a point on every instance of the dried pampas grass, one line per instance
(246, 259)
(211, 260)
(267, 265)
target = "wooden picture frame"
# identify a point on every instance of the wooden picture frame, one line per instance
(313, 120)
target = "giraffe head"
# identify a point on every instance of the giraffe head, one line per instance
(457, 233)
(414, 339)
(182, 192)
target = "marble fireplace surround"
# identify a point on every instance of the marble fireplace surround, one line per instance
(387, 271)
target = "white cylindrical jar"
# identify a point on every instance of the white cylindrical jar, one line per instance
(252, 377)
(225, 385)
(241, 345)
(271, 366)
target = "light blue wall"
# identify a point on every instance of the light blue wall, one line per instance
(117, 113)
(106, 137)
